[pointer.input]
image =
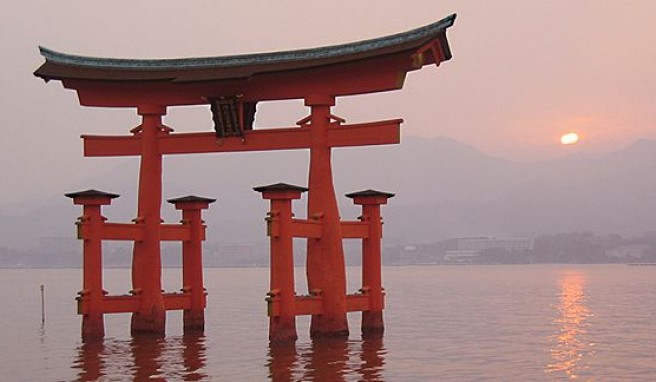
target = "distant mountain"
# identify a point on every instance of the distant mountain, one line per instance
(602, 193)
(444, 189)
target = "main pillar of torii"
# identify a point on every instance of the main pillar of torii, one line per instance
(232, 86)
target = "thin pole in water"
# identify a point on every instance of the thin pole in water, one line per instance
(43, 304)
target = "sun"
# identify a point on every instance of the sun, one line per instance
(569, 139)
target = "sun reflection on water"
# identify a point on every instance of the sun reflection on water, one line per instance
(571, 348)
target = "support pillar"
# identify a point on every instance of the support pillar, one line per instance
(282, 324)
(326, 268)
(90, 300)
(150, 318)
(370, 200)
(192, 260)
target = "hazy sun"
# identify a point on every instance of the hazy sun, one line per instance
(569, 139)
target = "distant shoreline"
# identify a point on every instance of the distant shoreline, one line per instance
(641, 264)
(300, 266)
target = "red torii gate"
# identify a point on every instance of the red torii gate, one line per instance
(232, 86)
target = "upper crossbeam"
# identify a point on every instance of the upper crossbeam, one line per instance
(364, 134)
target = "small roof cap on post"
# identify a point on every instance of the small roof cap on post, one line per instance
(190, 199)
(280, 191)
(91, 197)
(280, 187)
(370, 197)
(91, 194)
(191, 202)
(370, 193)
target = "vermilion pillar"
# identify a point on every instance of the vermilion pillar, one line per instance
(90, 300)
(282, 324)
(370, 200)
(326, 270)
(192, 259)
(147, 261)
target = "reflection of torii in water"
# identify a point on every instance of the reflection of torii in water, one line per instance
(232, 85)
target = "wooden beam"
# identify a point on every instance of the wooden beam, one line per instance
(364, 134)
(176, 232)
(122, 231)
(310, 305)
(134, 232)
(129, 303)
(306, 228)
(177, 301)
(357, 302)
(355, 230)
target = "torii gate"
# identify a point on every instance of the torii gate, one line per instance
(232, 86)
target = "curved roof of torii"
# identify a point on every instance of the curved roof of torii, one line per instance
(242, 74)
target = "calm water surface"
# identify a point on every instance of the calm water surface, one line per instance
(501, 323)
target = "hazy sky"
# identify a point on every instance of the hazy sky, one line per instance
(522, 73)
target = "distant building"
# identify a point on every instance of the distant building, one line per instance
(461, 257)
(632, 251)
(468, 249)
(479, 244)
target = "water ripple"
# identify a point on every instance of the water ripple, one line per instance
(571, 346)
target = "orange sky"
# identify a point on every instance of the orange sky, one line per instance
(523, 72)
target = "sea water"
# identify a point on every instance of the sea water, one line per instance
(446, 323)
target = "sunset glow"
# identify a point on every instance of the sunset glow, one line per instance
(569, 139)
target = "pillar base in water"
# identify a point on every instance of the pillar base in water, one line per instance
(372, 324)
(193, 321)
(329, 327)
(282, 329)
(153, 323)
(93, 326)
